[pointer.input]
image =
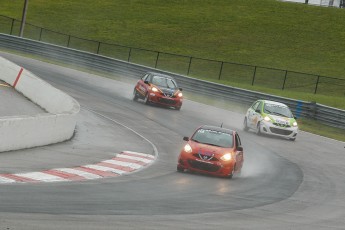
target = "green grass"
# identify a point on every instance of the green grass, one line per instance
(267, 33)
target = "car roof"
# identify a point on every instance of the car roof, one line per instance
(218, 129)
(274, 102)
(160, 74)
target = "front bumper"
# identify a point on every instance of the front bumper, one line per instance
(216, 168)
(165, 101)
(277, 130)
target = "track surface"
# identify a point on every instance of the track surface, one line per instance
(284, 185)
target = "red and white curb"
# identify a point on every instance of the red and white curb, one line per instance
(124, 163)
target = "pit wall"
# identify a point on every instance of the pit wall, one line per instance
(57, 125)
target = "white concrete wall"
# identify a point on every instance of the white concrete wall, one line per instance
(58, 124)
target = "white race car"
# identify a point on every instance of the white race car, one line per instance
(270, 117)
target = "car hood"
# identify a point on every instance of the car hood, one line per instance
(209, 150)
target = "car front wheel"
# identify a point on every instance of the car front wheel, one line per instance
(146, 99)
(245, 125)
(135, 95)
(258, 129)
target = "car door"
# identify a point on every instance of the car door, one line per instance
(142, 87)
(239, 152)
(251, 115)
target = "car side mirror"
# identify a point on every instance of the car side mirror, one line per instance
(180, 89)
(257, 111)
(146, 82)
(186, 138)
(239, 148)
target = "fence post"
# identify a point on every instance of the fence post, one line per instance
(69, 39)
(221, 70)
(12, 27)
(40, 34)
(157, 60)
(317, 83)
(190, 63)
(98, 48)
(129, 54)
(284, 79)
(254, 75)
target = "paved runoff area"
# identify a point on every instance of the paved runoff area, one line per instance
(15, 104)
(124, 163)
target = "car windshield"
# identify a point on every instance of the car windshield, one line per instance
(164, 82)
(213, 137)
(279, 110)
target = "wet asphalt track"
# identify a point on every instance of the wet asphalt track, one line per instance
(284, 184)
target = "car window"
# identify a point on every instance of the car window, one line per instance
(213, 137)
(163, 82)
(144, 78)
(279, 110)
(255, 105)
(238, 140)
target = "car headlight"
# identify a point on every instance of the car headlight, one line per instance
(180, 94)
(294, 124)
(226, 157)
(267, 118)
(154, 89)
(187, 148)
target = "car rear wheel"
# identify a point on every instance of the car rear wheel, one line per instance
(258, 129)
(245, 125)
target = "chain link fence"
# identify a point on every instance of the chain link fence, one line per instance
(219, 71)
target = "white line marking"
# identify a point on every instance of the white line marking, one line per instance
(105, 169)
(122, 163)
(86, 175)
(134, 158)
(40, 176)
(140, 154)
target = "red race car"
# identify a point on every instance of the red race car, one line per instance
(159, 89)
(212, 150)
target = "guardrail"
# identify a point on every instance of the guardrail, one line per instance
(327, 115)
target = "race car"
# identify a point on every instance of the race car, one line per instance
(212, 150)
(272, 118)
(157, 88)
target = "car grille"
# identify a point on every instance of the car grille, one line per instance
(203, 166)
(281, 125)
(167, 101)
(280, 131)
(212, 159)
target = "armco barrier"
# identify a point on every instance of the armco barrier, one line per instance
(329, 116)
(58, 124)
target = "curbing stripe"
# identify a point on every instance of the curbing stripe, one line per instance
(124, 163)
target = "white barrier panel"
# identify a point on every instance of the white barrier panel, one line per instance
(58, 124)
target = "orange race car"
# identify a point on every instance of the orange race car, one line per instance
(159, 89)
(212, 150)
